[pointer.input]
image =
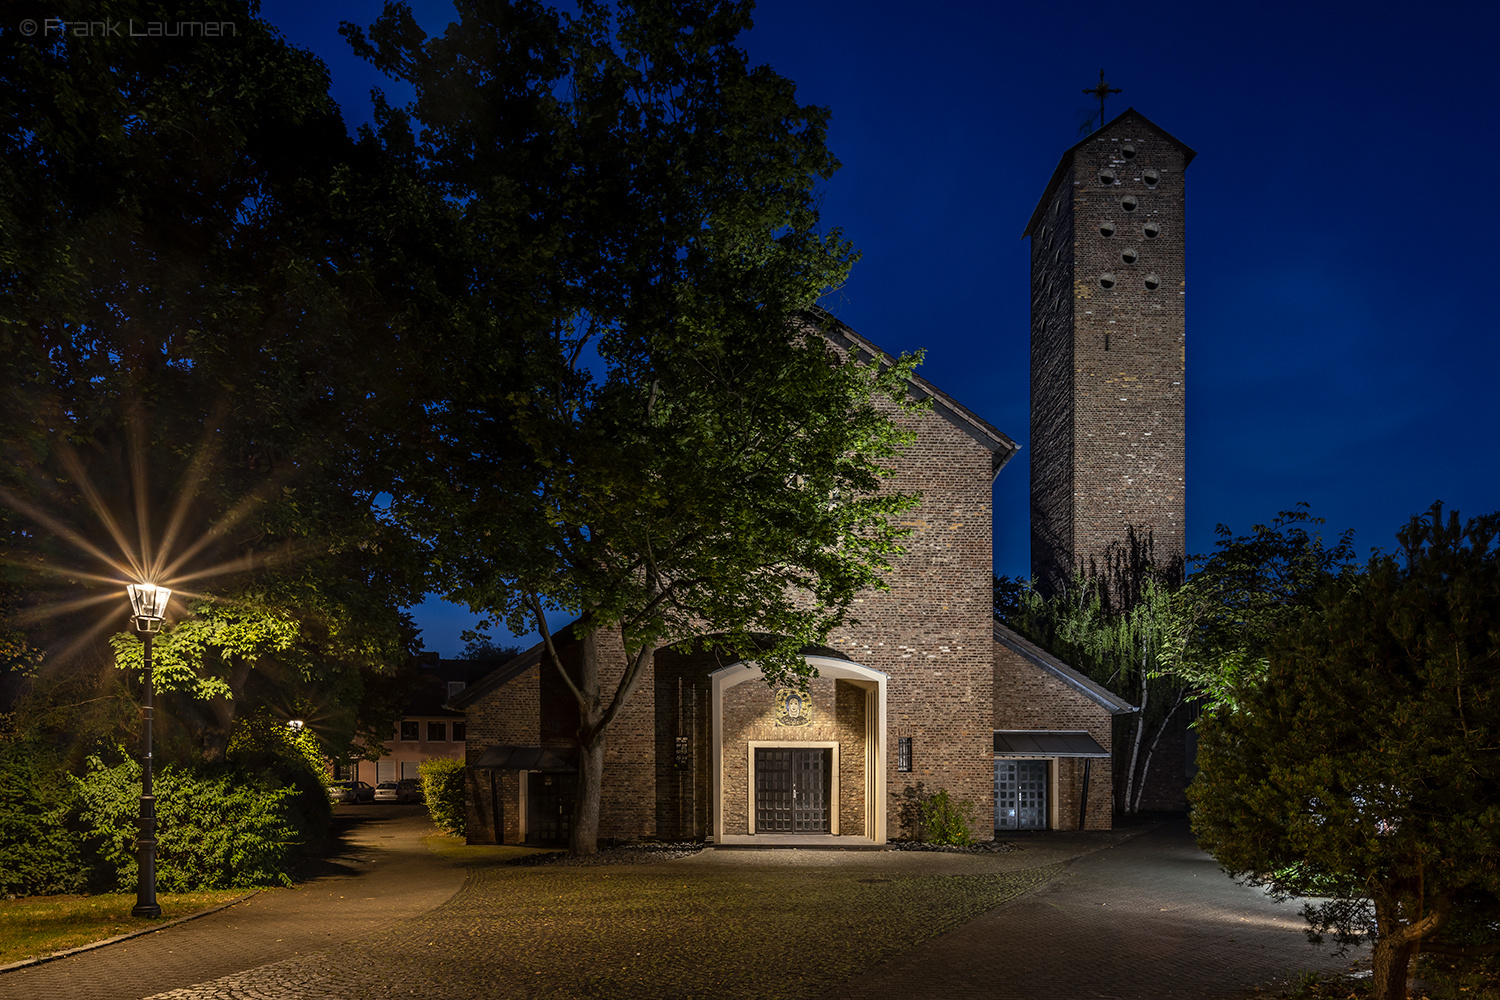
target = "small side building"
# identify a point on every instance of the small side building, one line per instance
(1053, 741)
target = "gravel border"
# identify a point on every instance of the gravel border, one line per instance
(621, 854)
(978, 847)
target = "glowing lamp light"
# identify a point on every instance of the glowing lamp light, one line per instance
(150, 605)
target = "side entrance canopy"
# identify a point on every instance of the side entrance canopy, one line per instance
(529, 758)
(1046, 743)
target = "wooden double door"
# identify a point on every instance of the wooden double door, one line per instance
(793, 789)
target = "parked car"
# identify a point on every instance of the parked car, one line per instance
(351, 791)
(405, 790)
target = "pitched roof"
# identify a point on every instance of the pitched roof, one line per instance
(1001, 447)
(505, 673)
(1067, 159)
(1038, 656)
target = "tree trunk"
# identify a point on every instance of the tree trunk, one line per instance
(1396, 944)
(1391, 962)
(1135, 748)
(584, 838)
(1151, 753)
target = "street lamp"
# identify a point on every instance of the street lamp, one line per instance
(148, 603)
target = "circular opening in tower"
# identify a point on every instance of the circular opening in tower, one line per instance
(1106, 177)
(1128, 256)
(1152, 230)
(1129, 203)
(1127, 151)
(1106, 229)
(1151, 177)
(1106, 280)
(1152, 282)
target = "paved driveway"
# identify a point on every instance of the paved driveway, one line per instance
(1152, 917)
(1148, 917)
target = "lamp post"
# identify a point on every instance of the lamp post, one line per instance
(148, 603)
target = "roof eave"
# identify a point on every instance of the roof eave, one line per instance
(997, 442)
(1039, 657)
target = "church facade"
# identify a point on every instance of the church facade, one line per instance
(927, 693)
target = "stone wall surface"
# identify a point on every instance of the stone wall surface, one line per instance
(1123, 387)
(931, 631)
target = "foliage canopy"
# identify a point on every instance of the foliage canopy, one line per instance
(1360, 765)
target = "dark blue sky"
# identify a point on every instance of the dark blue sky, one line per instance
(1340, 250)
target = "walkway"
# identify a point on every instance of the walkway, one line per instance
(1147, 917)
(1152, 917)
(384, 875)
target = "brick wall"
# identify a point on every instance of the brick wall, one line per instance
(537, 708)
(1052, 392)
(506, 716)
(1121, 207)
(1028, 697)
(931, 631)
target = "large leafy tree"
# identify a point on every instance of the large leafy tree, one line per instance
(1240, 599)
(1359, 767)
(644, 432)
(195, 342)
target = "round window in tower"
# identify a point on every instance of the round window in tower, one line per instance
(1106, 177)
(1106, 280)
(1106, 229)
(1127, 151)
(1128, 255)
(1152, 282)
(1129, 203)
(1152, 230)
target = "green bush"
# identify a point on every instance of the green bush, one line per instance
(216, 827)
(947, 822)
(39, 855)
(443, 787)
(264, 746)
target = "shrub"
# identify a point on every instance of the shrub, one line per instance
(263, 746)
(443, 787)
(945, 821)
(38, 854)
(216, 827)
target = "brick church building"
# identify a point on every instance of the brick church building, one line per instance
(928, 692)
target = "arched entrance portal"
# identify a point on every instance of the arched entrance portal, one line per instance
(785, 763)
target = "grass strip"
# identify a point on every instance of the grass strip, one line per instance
(41, 925)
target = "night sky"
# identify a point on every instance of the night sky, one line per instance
(1340, 249)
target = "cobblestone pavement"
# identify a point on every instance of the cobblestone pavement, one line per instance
(383, 876)
(1148, 917)
(1152, 917)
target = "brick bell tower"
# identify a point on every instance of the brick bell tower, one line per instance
(1107, 359)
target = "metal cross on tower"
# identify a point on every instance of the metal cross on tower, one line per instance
(1101, 91)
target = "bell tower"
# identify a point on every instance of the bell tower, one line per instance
(1108, 367)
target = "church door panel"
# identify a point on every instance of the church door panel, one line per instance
(792, 790)
(1020, 795)
(549, 807)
